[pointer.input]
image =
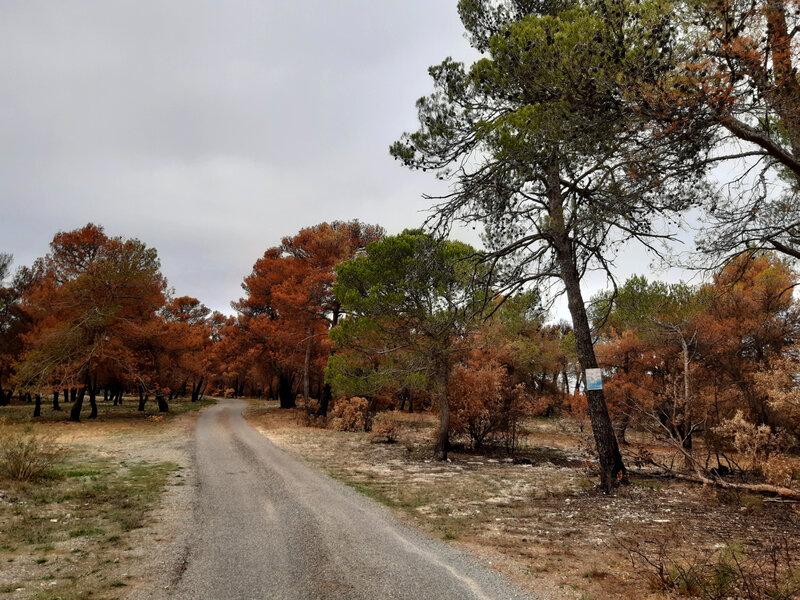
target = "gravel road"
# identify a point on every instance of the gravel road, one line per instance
(269, 527)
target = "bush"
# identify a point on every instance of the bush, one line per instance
(384, 429)
(350, 414)
(484, 406)
(25, 454)
(761, 448)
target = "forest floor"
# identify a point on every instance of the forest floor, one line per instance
(540, 520)
(104, 520)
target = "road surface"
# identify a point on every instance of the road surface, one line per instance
(269, 527)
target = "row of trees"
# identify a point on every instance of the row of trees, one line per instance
(95, 315)
(342, 310)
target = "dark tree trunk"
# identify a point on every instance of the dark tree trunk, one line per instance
(443, 434)
(196, 387)
(66, 396)
(612, 469)
(37, 409)
(324, 400)
(77, 405)
(93, 402)
(403, 398)
(286, 393)
(307, 367)
(56, 405)
(142, 398)
(163, 405)
(5, 397)
(28, 397)
(73, 394)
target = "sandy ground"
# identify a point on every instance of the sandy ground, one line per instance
(539, 521)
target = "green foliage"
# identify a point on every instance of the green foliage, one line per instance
(409, 299)
(641, 305)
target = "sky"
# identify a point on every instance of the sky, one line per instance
(211, 129)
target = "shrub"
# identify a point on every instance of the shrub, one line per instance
(25, 454)
(484, 406)
(761, 447)
(764, 571)
(384, 429)
(350, 414)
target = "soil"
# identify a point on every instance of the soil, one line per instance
(538, 517)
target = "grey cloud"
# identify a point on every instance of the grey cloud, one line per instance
(211, 129)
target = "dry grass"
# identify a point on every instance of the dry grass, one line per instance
(542, 522)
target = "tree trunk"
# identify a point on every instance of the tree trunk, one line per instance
(687, 415)
(196, 389)
(77, 405)
(443, 434)
(142, 398)
(324, 400)
(612, 468)
(163, 405)
(56, 405)
(285, 392)
(73, 394)
(3, 396)
(403, 399)
(37, 409)
(307, 366)
(93, 402)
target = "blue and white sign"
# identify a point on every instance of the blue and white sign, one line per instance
(594, 379)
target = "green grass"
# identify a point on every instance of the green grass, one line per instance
(111, 501)
(653, 484)
(88, 501)
(90, 532)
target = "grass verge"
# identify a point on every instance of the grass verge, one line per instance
(59, 534)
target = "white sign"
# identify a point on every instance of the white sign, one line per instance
(594, 379)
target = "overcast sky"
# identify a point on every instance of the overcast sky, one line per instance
(209, 130)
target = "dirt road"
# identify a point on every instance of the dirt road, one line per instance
(269, 527)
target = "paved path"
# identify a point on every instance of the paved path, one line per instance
(269, 527)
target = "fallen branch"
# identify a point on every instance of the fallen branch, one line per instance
(758, 488)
